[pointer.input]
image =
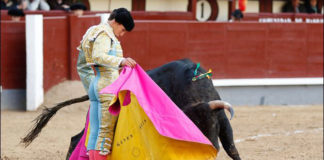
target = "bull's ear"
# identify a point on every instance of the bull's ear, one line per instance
(189, 74)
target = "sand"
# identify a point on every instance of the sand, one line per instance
(261, 133)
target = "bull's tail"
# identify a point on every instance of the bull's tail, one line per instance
(45, 116)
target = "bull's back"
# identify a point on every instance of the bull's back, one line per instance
(175, 79)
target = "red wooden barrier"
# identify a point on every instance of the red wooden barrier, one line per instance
(13, 55)
(78, 27)
(232, 50)
(56, 51)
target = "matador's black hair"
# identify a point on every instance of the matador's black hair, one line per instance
(123, 16)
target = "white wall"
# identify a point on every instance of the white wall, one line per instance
(151, 5)
(251, 6)
(276, 6)
(222, 10)
(166, 5)
(34, 64)
(109, 5)
(271, 91)
(272, 95)
(121, 3)
(99, 5)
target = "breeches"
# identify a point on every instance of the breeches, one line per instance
(102, 122)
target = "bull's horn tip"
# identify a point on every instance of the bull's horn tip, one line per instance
(232, 112)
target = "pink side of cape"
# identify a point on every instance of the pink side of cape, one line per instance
(167, 118)
(80, 151)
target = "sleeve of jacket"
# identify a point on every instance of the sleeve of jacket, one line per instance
(85, 71)
(100, 56)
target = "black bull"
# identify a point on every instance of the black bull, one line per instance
(192, 97)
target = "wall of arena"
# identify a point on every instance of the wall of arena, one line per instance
(232, 50)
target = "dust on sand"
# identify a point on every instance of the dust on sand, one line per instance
(261, 133)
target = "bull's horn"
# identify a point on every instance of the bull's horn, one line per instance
(222, 104)
(229, 108)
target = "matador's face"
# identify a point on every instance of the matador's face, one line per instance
(119, 30)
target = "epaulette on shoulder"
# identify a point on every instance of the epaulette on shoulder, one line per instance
(98, 30)
(95, 33)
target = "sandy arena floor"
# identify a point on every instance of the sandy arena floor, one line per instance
(260, 133)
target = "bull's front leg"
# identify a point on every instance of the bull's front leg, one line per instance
(225, 132)
(211, 119)
(74, 142)
(226, 136)
(201, 115)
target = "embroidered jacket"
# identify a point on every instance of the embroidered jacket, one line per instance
(99, 46)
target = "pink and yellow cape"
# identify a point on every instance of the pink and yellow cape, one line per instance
(150, 125)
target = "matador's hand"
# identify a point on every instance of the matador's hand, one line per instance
(128, 62)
